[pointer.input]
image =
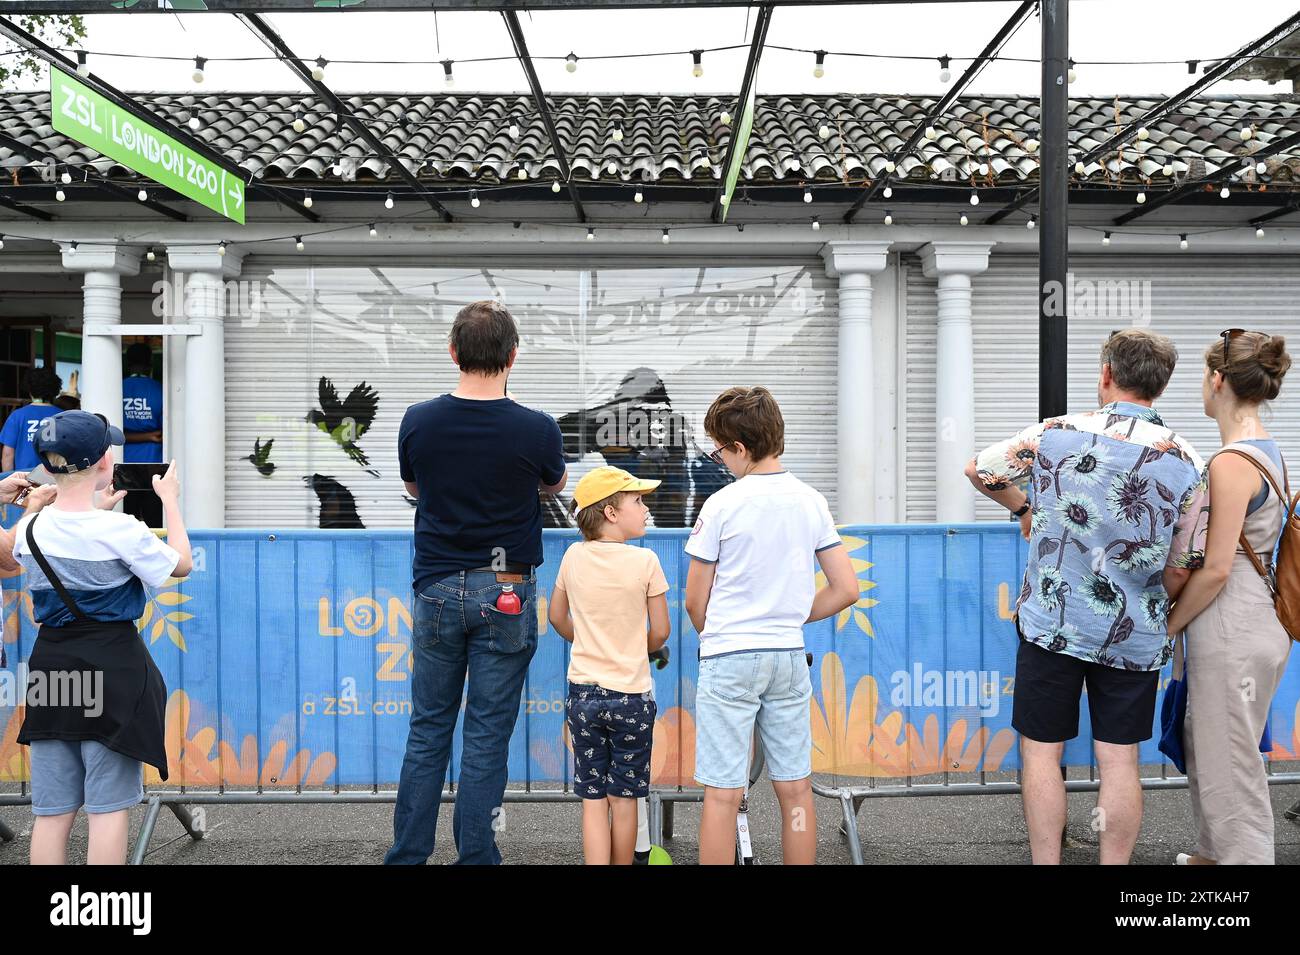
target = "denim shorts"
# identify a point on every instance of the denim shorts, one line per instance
(611, 733)
(69, 774)
(770, 688)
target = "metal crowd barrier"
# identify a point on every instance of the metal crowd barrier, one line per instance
(287, 660)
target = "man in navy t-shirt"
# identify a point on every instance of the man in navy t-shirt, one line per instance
(43, 385)
(476, 462)
(142, 400)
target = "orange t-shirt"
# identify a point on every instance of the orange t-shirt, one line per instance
(608, 584)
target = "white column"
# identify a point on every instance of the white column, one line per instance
(885, 327)
(201, 272)
(101, 355)
(953, 264)
(853, 263)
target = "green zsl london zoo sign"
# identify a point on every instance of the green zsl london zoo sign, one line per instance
(82, 114)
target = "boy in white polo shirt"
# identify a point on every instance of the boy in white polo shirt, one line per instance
(604, 592)
(749, 591)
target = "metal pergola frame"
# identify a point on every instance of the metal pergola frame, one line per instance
(1013, 23)
(87, 7)
(1052, 192)
(1129, 131)
(274, 42)
(39, 48)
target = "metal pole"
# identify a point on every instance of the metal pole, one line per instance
(1053, 213)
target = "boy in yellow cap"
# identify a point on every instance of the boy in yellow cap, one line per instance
(604, 592)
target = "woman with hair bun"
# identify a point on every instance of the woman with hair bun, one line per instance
(1236, 647)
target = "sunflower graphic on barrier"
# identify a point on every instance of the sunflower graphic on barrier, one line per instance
(857, 611)
(849, 740)
(162, 614)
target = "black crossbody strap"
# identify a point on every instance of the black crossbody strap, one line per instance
(51, 576)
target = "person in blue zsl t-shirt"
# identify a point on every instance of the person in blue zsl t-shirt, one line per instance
(142, 411)
(42, 384)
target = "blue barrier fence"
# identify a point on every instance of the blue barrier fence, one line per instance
(287, 660)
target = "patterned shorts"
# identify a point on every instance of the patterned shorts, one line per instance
(611, 735)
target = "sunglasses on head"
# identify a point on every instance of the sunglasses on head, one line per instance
(1228, 334)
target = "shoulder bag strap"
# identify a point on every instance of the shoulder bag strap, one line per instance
(51, 576)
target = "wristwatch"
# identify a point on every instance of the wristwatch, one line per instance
(1024, 509)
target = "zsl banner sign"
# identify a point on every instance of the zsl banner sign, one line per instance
(81, 113)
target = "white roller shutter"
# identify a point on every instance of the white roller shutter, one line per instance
(700, 329)
(917, 384)
(1192, 298)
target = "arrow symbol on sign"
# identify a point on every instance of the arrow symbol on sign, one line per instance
(238, 196)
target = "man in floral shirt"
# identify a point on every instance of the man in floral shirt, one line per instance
(1116, 513)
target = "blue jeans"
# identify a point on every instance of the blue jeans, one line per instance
(456, 627)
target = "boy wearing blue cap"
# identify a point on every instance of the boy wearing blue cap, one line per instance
(95, 699)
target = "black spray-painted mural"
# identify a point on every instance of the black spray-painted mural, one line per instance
(636, 429)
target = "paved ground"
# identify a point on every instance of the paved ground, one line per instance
(914, 830)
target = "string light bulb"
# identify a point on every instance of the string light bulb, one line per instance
(221, 248)
(1247, 132)
(199, 63)
(1261, 167)
(591, 235)
(1141, 197)
(1033, 221)
(142, 195)
(1259, 232)
(964, 220)
(448, 78)
(571, 63)
(83, 68)
(931, 133)
(697, 69)
(665, 240)
(638, 196)
(1167, 169)
(1105, 238)
(473, 198)
(823, 132)
(318, 71)
(890, 165)
(974, 197)
(373, 231)
(1143, 133)
(617, 134)
(388, 201)
(887, 192)
(819, 68)
(555, 186)
(59, 194)
(66, 178)
(807, 195)
(513, 128)
(151, 255)
(298, 243)
(523, 173)
(193, 122)
(1182, 241)
(1031, 146)
(816, 224)
(889, 217)
(1225, 192)
(945, 71)
(1070, 74)
(298, 123)
(307, 202)
(724, 118)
